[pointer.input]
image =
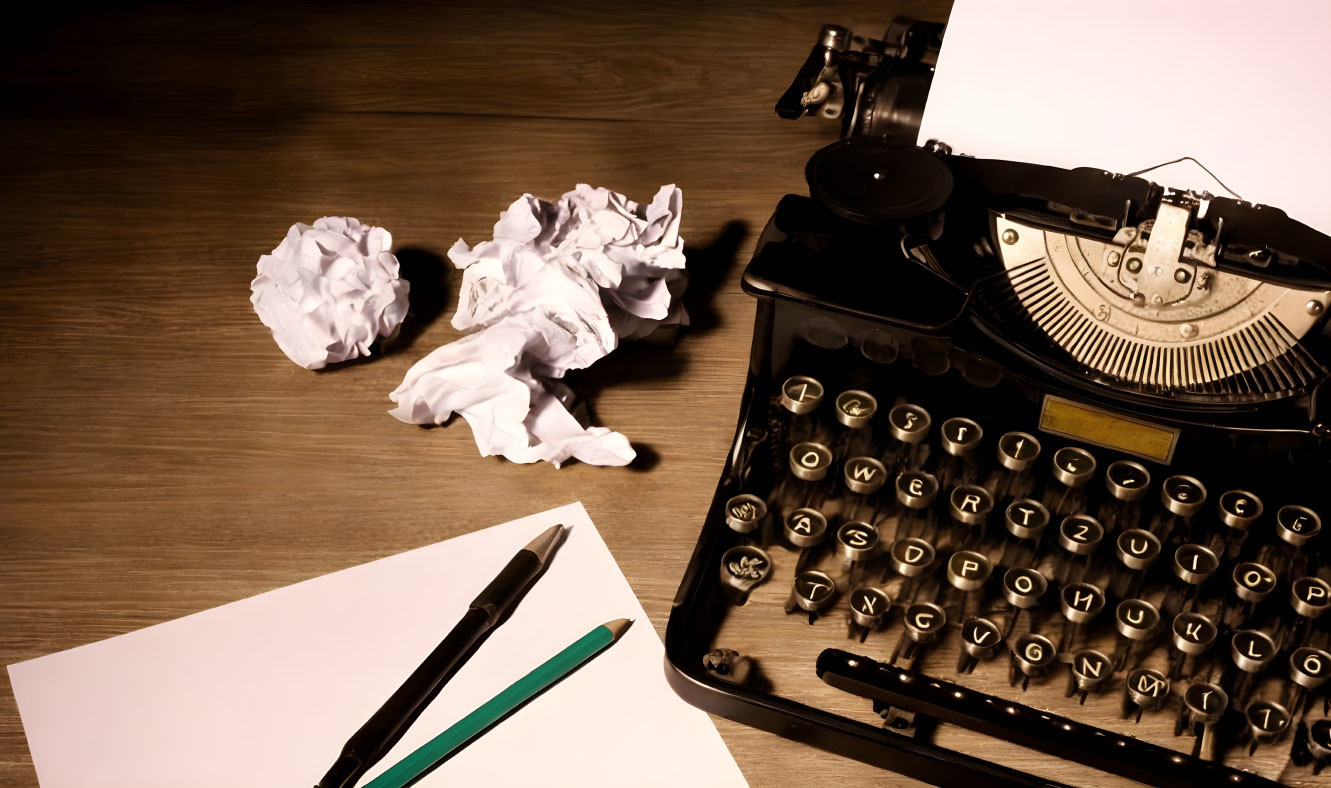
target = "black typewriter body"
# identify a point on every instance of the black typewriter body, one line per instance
(1027, 460)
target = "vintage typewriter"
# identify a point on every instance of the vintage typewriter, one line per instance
(1025, 454)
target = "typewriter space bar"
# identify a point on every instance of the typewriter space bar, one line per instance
(1033, 728)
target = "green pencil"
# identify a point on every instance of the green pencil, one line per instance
(517, 693)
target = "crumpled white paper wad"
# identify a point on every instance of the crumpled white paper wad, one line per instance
(556, 289)
(330, 290)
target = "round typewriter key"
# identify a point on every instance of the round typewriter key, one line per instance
(925, 622)
(1090, 671)
(810, 461)
(1127, 480)
(1309, 667)
(813, 589)
(1080, 602)
(1193, 633)
(1297, 524)
(1310, 596)
(1251, 650)
(1136, 619)
(1147, 689)
(910, 557)
(1267, 720)
(909, 423)
(1017, 451)
(1183, 495)
(880, 347)
(856, 541)
(806, 527)
(1253, 582)
(1319, 741)
(1026, 519)
(1080, 534)
(1205, 703)
(1137, 549)
(1034, 654)
(1239, 509)
(855, 408)
(970, 504)
(968, 571)
(868, 605)
(980, 638)
(961, 436)
(1022, 587)
(916, 489)
(744, 567)
(801, 394)
(745, 512)
(864, 475)
(1073, 467)
(1193, 564)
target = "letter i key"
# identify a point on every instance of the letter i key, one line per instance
(800, 396)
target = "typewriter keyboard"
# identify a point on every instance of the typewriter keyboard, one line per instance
(939, 531)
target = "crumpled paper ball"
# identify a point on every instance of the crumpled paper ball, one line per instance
(330, 290)
(557, 288)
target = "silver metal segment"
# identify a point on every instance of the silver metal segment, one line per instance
(809, 461)
(801, 394)
(855, 408)
(1123, 309)
(745, 512)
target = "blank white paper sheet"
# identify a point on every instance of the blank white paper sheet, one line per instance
(1120, 86)
(265, 691)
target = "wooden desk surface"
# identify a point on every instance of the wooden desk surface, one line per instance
(160, 456)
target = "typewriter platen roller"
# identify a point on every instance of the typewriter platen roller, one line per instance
(1026, 457)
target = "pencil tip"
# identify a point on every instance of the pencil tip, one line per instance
(618, 626)
(546, 543)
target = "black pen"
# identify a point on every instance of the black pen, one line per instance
(378, 735)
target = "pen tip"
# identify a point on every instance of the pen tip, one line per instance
(618, 626)
(546, 543)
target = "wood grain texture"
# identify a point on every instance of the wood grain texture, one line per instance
(159, 456)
